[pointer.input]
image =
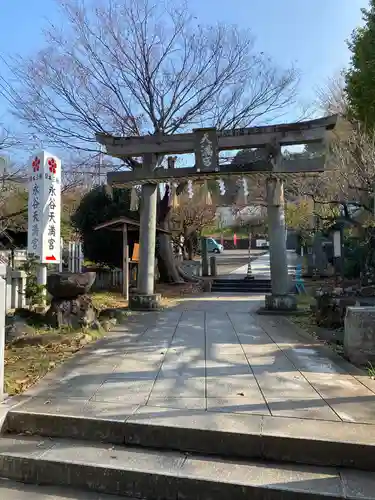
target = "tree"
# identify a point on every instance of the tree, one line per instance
(191, 216)
(250, 218)
(97, 206)
(300, 217)
(132, 68)
(360, 76)
(331, 97)
(12, 185)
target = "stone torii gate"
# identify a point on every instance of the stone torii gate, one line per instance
(206, 144)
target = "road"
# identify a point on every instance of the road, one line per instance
(230, 260)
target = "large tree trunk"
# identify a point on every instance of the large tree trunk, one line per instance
(169, 271)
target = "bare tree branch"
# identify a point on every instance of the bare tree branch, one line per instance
(136, 67)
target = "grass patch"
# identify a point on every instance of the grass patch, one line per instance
(169, 296)
(108, 300)
(305, 300)
(371, 370)
(27, 364)
(306, 321)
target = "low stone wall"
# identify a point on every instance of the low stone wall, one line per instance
(359, 335)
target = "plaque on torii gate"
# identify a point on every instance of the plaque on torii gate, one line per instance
(206, 144)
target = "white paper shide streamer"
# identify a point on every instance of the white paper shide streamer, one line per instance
(245, 189)
(221, 186)
(190, 189)
(134, 199)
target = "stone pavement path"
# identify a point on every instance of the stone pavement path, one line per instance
(212, 353)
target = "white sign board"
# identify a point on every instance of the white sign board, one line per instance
(336, 244)
(44, 210)
(261, 243)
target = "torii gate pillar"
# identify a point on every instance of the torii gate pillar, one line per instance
(144, 299)
(280, 299)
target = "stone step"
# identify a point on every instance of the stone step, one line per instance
(242, 282)
(162, 475)
(226, 289)
(12, 490)
(309, 442)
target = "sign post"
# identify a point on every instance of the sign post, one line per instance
(2, 329)
(44, 211)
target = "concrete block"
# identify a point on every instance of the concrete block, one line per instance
(281, 302)
(359, 334)
(144, 302)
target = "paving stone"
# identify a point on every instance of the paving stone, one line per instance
(136, 368)
(112, 411)
(333, 378)
(183, 386)
(53, 406)
(177, 402)
(352, 401)
(124, 391)
(244, 323)
(252, 404)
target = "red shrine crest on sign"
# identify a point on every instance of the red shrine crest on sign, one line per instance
(36, 164)
(52, 165)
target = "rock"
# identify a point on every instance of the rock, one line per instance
(107, 313)
(74, 313)
(108, 324)
(29, 316)
(280, 303)
(16, 329)
(96, 325)
(144, 302)
(112, 313)
(330, 310)
(359, 335)
(122, 315)
(22, 312)
(367, 291)
(191, 268)
(70, 285)
(85, 339)
(46, 338)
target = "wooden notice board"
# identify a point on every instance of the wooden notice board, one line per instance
(135, 255)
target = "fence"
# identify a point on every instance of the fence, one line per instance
(71, 257)
(15, 289)
(107, 279)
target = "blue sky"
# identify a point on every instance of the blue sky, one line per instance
(310, 34)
